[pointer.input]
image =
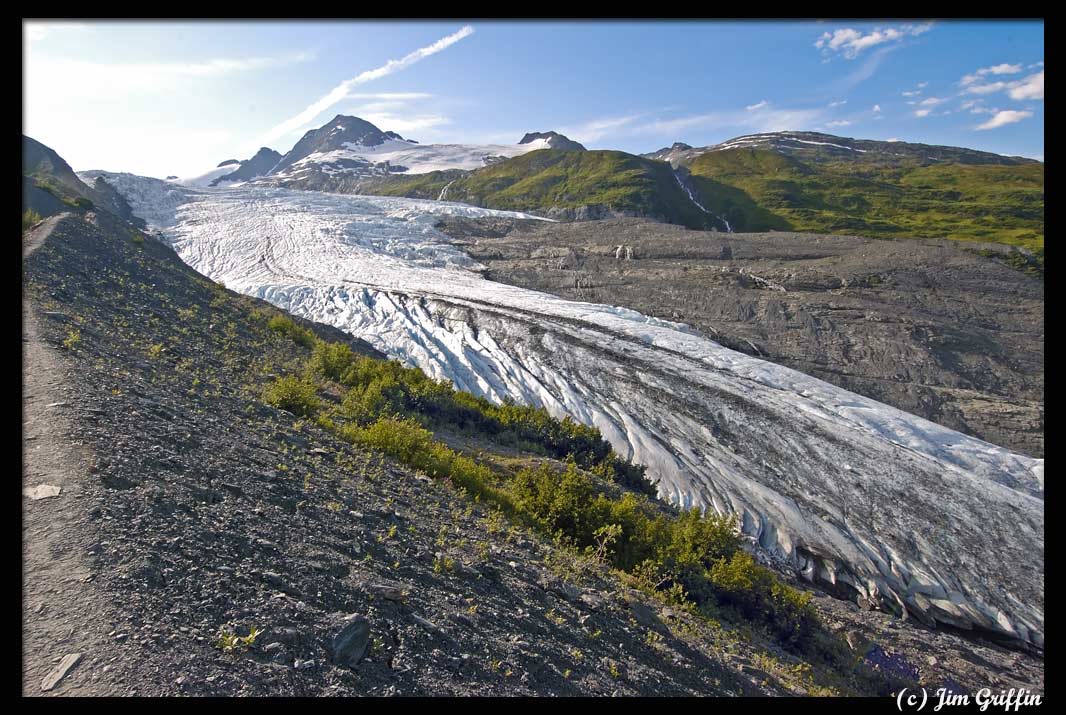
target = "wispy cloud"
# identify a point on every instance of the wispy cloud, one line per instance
(37, 31)
(596, 129)
(341, 91)
(922, 112)
(838, 103)
(390, 96)
(79, 78)
(1030, 87)
(752, 118)
(839, 123)
(864, 71)
(850, 43)
(1004, 117)
(401, 123)
(757, 106)
(876, 108)
(996, 69)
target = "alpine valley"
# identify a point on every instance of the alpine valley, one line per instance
(377, 416)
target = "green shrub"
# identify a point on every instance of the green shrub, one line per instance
(410, 443)
(331, 360)
(293, 394)
(30, 217)
(760, 596)
(283, 325)
(688, 558)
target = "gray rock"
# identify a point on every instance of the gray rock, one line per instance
(351, 643)
(60, 671)
(42, 491)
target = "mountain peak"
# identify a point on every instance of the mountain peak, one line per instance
(341, 130)
(554, 140)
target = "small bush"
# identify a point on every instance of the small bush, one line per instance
(299, 397)
(30, 218)
(72, 339)
(286, 326)
(331, 360)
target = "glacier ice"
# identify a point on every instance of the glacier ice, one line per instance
(844, 489)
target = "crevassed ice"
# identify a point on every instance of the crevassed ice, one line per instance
(847, 490)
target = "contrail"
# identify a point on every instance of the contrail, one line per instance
(339, 92)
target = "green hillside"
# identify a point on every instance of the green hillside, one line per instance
(757, 189)
(542, 180)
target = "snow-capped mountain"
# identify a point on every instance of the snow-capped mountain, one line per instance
(818, 146)
(554, 140)
(342, 133)
(233, 171)
(353, 147)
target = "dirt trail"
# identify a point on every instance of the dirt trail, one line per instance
(62, 611)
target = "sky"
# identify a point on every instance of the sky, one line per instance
(169, 98)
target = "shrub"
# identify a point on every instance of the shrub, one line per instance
(283, 325)
(758, 595)
(72, 339)
(30, 217)
(293, 394)
(331, 360)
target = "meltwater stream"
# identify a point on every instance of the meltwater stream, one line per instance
(845, 489)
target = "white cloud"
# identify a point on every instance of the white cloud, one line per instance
(922, 112)
(923, 85)
(850, 42)
(757, 106)
(996, 70)
(341, 91)
(893, 139)
(839, 103)
(1004, 117)
(838, 123)
(877, 108)
(1032, 87)
(912, 93)
(930, 101)
(990, 88)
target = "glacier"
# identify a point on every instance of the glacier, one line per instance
(852, 494)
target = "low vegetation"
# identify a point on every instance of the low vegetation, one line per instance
(30, 218)
(759, 190)
(544, 179)
(585, 497)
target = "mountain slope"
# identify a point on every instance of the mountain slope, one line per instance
(231, 541)
(209, 516)
(818, 147)
(50, 186)
(1001, 203)
(571, 184)
(259, 165)
(806, 181)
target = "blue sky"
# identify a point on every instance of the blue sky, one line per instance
(178, 98)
